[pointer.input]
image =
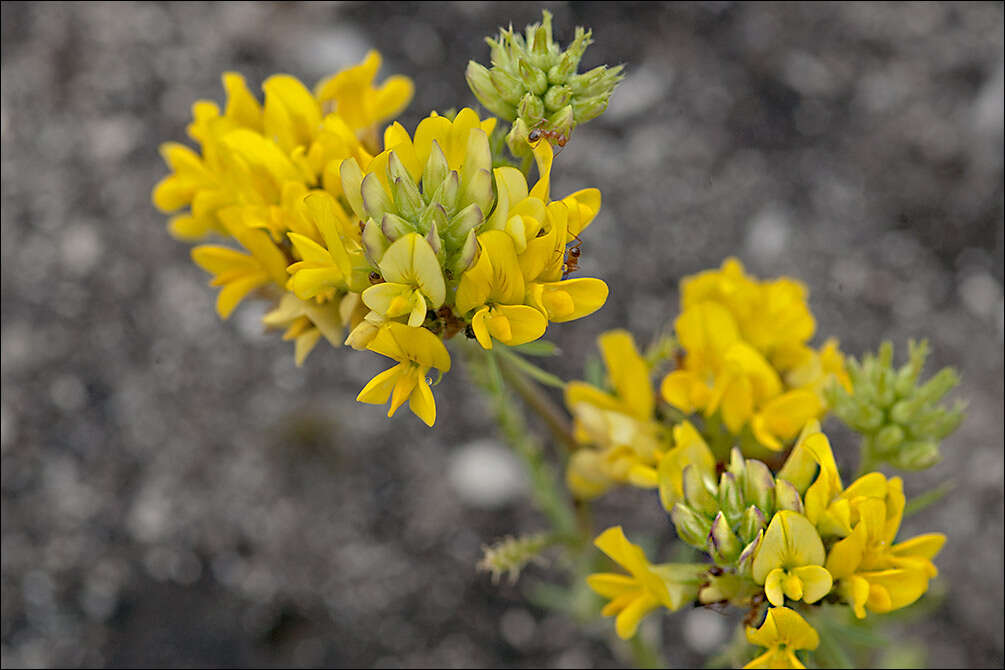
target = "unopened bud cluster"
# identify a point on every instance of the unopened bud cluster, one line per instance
(534, 84)
(725, 518)
(901, 418)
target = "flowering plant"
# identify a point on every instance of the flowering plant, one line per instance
(404, 243)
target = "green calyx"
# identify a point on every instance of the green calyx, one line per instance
(446, 207)
(533, 83)
(901, 418)
(726, 517)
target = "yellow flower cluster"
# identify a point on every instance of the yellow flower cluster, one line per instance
(746, 359)
(405, 246)
(746, 365)
(794, 537)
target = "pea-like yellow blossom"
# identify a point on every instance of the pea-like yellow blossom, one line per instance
(783, 633)
(265, 178)
(872, 572)
(746, 355)
(789, 561)
(416, 350)
(646, 587)
(621, 441)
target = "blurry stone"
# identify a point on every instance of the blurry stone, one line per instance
(705, 630)
(981, 293)
(768, 235)
(486, 475)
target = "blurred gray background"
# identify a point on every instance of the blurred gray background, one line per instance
(176, 492)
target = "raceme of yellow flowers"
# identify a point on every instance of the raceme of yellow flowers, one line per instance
(403, 244)
(368, 235)
(789, 539)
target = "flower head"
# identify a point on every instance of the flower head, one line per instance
(646, 588)
(784, 632)
(416, 350)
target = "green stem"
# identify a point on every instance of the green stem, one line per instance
(869, 460)
(546, 490)
(644, 655)
(536, 399)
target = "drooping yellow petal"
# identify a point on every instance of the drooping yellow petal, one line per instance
(378, 390)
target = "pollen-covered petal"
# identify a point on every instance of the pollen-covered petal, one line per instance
(378, 389)
(422, 403)
(816, 582)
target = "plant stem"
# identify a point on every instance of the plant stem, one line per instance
(547, 492)
(537, 400)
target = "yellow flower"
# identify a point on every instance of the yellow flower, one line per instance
(789, 561)
(354, 98)
(494, 289)
(621, 441)
(646, 588)
(305, 323)
(416, 350)
(784, 632)
(689, 449)
(238, 273)
(412, 275)
(871, 570)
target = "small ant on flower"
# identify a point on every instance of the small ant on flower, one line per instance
(572, 258)
(553, 136)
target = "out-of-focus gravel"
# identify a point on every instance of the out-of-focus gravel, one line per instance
(176, 492)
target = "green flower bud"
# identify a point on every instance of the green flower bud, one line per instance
(698, 493)
(787, 497)
(531, 109)
(916, 455)
(730, 497)
(746, 560)
(393, 226)
(888, 438)
(532, 78)
(759, 486)
(557, 97)
(510, 88)
(902, 420)
(532, 64)
(723, 545)
(752, 523)
(691, 526)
